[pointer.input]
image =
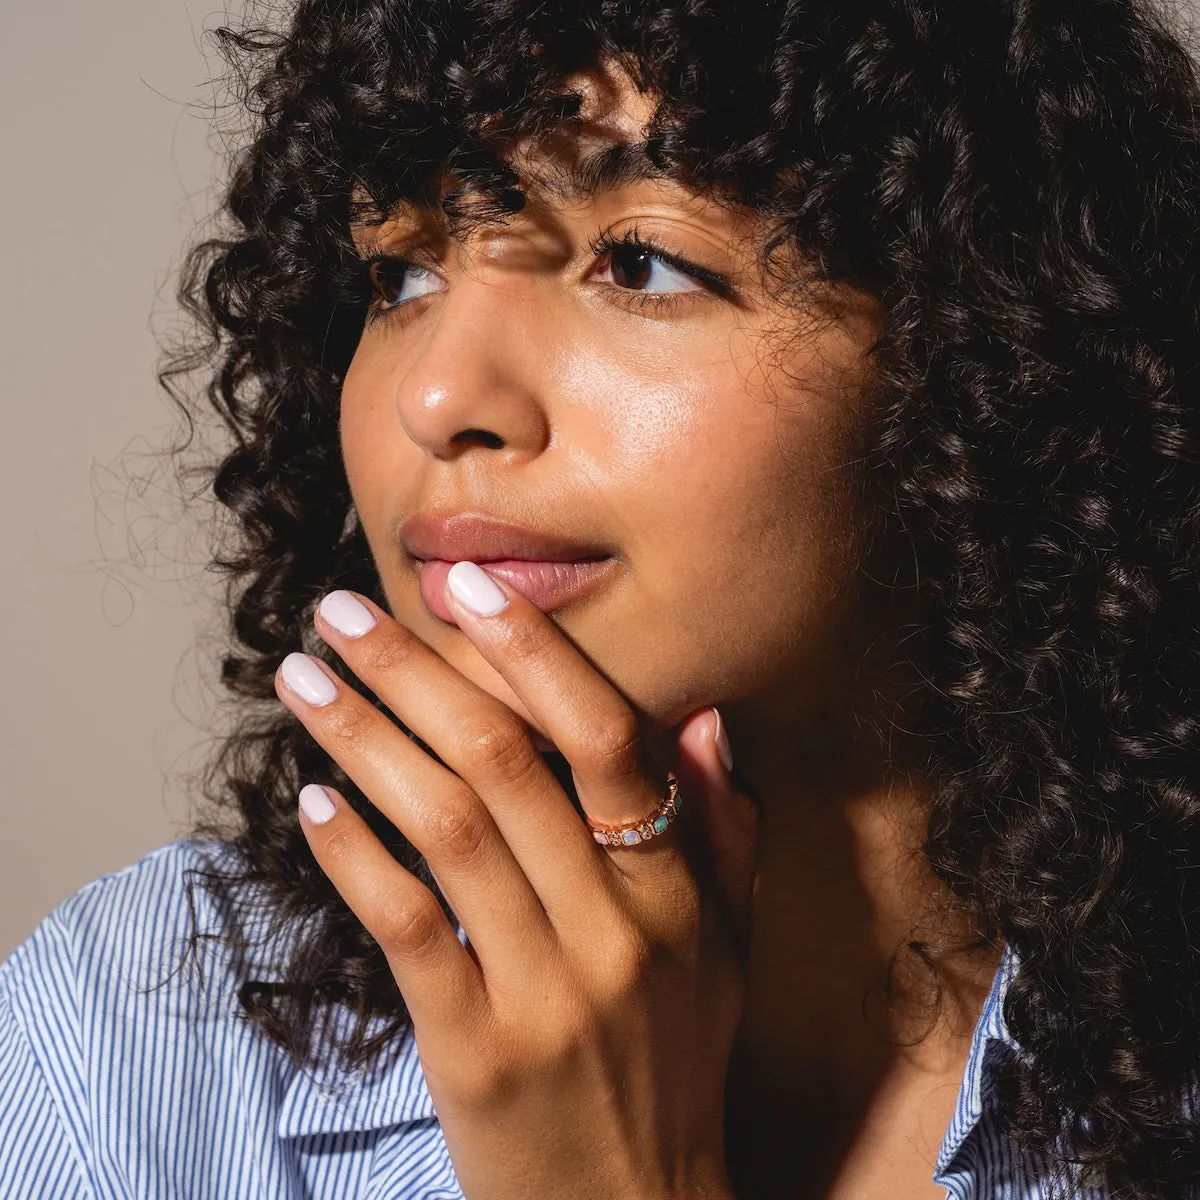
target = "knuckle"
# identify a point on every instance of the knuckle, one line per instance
(456, 833)
(347, 724)
(628, 961)
(488, 1083)
(500, 748)
(386, 655)
(407, 923)
(613, 745)
(524, 642)
(560, 1039)
(342, 845)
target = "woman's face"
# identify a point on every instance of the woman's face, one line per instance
(692, 431)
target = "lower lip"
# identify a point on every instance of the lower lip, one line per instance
(549, 585)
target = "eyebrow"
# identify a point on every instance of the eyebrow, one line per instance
(613, 166)
(610, 167)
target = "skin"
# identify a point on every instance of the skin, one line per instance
(712, 444)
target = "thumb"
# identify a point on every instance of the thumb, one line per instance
(729, 817)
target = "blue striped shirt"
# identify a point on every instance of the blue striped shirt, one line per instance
(110, 1091)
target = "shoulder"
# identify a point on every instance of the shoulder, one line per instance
(127, 1066)
(117, 932)
(108, 1043)
(121, 967)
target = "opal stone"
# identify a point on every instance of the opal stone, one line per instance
(660, 823)
(631, 837)
(601, 837)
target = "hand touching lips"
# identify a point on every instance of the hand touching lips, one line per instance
(549, 585)
(584, 965)
(547, 570)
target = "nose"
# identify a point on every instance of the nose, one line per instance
(478, 379)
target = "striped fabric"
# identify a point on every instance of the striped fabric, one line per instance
(112, 1088)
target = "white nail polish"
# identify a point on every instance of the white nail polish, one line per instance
(475, 589)
(307, 680)
(721, 738)
(316, 804)
(347, 614)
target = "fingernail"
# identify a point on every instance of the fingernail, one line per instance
(347, 614)
(475, 589)
(316, 804)
(307, 680)
(721, 738)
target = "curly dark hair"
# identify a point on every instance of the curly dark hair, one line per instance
(1016, 182)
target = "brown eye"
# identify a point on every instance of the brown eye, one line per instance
(631, 266)
(638, 268)
(396, 282)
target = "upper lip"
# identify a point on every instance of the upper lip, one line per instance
(481, 538)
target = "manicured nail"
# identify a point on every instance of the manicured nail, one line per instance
(475, 589)
(307, 680)
(316, 804)
(347, 614)
(721, 738)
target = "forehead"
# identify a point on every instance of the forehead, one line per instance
(612, 108)
(603, 147)
(601, 150)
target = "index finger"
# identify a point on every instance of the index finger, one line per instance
(588, 720)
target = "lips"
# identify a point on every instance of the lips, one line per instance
(549, 570)
(454, 537)
(549, 585)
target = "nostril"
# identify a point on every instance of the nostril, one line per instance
(483, 437)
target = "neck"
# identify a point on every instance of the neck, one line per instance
(824, 1059)
(842, 890)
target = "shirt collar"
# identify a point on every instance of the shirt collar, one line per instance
(331, 1100)
(323, 1099)
(989, 1045)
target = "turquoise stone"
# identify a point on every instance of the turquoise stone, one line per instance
(631, 837)
(660, 823)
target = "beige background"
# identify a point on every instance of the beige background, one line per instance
(106, 171)
(107, 168)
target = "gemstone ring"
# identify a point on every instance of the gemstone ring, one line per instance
(649, 827)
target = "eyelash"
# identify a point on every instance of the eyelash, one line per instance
(603, 243)
(606, 243)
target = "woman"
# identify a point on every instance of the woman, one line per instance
(715, 490)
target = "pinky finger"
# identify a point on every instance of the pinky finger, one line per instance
(440, 981)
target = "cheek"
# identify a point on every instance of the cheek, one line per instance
(736, 497)
(379, 459)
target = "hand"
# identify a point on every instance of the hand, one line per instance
(577, 1047)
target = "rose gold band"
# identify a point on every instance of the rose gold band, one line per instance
(649, 827)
